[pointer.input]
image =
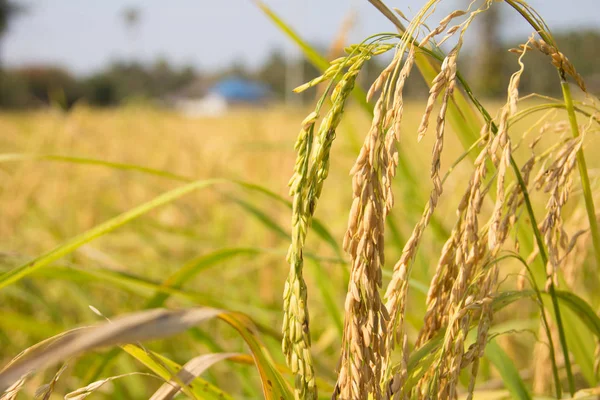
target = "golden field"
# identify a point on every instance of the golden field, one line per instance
(64, 173)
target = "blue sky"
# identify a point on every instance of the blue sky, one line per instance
(84, 35)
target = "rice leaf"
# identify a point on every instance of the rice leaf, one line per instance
(327, 291)
(262, 217)
(18, 273)
(142, 326)
(8, 157)
(309, 52)
(582, 309)
(126, 281)
(167, 369)
(13, 391)
(580, 341)
(573, 302)
(507, 370)
(192, 369)
(319, 228)
(194, 267)
(45, 391)
(273, 384)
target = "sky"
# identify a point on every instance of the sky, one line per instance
(85, 35)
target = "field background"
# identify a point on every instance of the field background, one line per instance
(84, 143)
(235, 238)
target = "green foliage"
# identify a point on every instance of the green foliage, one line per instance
(32, 87)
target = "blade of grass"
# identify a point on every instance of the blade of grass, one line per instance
(194, 267)
(319, 228)
(262, 217)
(191, 370)
(311, 54)
(580, 307)
(143, 287)
(127, 281)
(274, 385)
(583, 170)
(90, 161)
(507, 370)
(327, 290)
(142, 326)
(18, 273)
(85, 391)
(166, 368)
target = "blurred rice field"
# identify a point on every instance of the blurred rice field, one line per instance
(234, 238)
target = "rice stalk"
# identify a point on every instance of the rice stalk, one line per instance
(564, 68)
(364, 335)
(462, 254)
(397, 289)
(306, 184)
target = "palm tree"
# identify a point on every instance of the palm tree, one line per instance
(131, 19)
(8, 9)
(488, 59)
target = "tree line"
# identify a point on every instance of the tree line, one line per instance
(119, 82)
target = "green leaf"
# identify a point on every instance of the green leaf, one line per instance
(582, 309)
(580, 342)
(575, 303)
(143, 326)
(192, 369)
(577, 317)
(91, 161)
(262, 217)
(327, 290)
(18, 273)
(143, 287)
(86, 391)
(193, 268)
(127, 281)
(311, 54)
(507, 370)
(274, 385)
(318, 226)
(167, 369)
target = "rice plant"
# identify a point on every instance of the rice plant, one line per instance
(476, 279)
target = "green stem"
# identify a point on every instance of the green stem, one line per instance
(585, 182)
(538, 237)
(540, 30)
(539, 241)
(545, 324)
(583, 172)
(544, 257)
(563, 341)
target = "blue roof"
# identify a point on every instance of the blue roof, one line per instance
(239, 89)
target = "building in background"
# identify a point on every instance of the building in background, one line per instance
(197, 100)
